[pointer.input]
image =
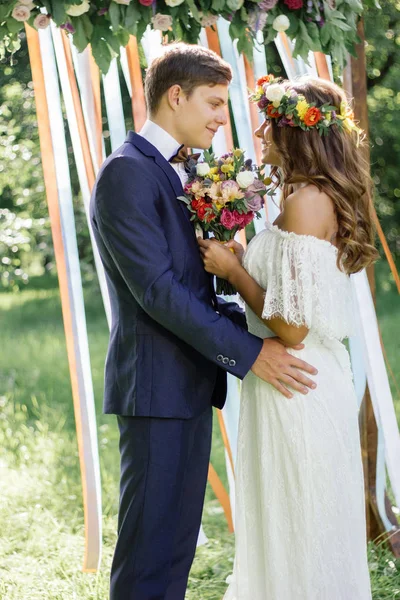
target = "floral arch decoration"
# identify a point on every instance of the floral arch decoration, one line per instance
(328, 26)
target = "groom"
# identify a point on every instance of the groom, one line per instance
(172, 340)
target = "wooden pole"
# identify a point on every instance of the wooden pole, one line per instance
(368, 426)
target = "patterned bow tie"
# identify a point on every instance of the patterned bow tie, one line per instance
(183, 157)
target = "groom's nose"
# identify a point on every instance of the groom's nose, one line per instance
(222, 118)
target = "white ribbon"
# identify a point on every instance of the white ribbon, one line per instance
(81, 347)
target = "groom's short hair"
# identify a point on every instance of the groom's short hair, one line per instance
(186, 65)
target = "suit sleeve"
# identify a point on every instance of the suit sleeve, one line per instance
(233, 312)
(129, 222)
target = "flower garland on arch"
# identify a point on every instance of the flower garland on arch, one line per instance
(327, 26)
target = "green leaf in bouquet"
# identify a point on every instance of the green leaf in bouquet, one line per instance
(115, 15)
(184, 199)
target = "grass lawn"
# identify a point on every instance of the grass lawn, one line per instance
(41, 515)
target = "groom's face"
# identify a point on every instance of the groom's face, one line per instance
(201, 114)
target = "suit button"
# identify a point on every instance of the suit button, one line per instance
(225, 360)
(232, 363)
(220, 357)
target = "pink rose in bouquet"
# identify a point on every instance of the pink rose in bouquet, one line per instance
(227, 219)
(252, 195)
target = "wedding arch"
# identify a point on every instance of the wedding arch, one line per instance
(76, 49)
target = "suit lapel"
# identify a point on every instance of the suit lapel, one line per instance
(149, 150)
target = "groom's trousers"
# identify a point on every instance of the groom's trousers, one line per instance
(164, 466)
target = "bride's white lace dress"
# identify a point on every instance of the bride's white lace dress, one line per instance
(300, 525)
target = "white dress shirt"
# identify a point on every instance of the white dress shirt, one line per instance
(165, 144)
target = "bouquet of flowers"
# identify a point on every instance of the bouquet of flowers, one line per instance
(224, 195)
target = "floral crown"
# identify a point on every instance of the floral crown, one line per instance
(291, 109)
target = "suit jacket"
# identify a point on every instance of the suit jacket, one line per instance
(171, 342)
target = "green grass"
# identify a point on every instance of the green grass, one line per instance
(41, 514)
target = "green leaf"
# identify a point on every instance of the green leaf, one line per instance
(87, 25)
(114, 43)
(141, 28)
(218, 5)
(80, 38)
(115, 15)
(5, 11)
(177, 29)
(132, 16)
(340, 24)
(47, 5)
(123, 37)
(193, 9)
(101, 51)
(58, 13)
(14, 26)
(325, 34)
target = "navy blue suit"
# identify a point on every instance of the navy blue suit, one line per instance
(171, 344)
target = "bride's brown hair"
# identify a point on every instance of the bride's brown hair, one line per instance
(337, 166)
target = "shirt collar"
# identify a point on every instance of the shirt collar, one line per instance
(161, 139)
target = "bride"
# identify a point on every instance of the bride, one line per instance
(300, 524)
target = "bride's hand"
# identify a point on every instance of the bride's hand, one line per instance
(237, 248)
(217, 258)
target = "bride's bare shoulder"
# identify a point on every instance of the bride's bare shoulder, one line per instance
(308, 211)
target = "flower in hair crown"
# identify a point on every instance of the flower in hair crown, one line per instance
(290, 109)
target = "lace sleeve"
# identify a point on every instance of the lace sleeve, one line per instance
(303, 284)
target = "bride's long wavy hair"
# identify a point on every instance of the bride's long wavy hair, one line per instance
(335, 163)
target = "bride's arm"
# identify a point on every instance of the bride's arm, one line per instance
(305, 214)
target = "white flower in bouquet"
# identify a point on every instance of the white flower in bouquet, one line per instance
(21, 13)
(245, 178)
(202, 169)
(76, 10)
(161, 22)
(173, 3)
(281, 23)
(41, 21)
(124, 2)
(274, 93)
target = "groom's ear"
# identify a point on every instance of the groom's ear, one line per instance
(174, 95)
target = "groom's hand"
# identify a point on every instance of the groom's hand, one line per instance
(279, 368)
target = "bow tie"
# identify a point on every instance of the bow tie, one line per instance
(182, 156)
